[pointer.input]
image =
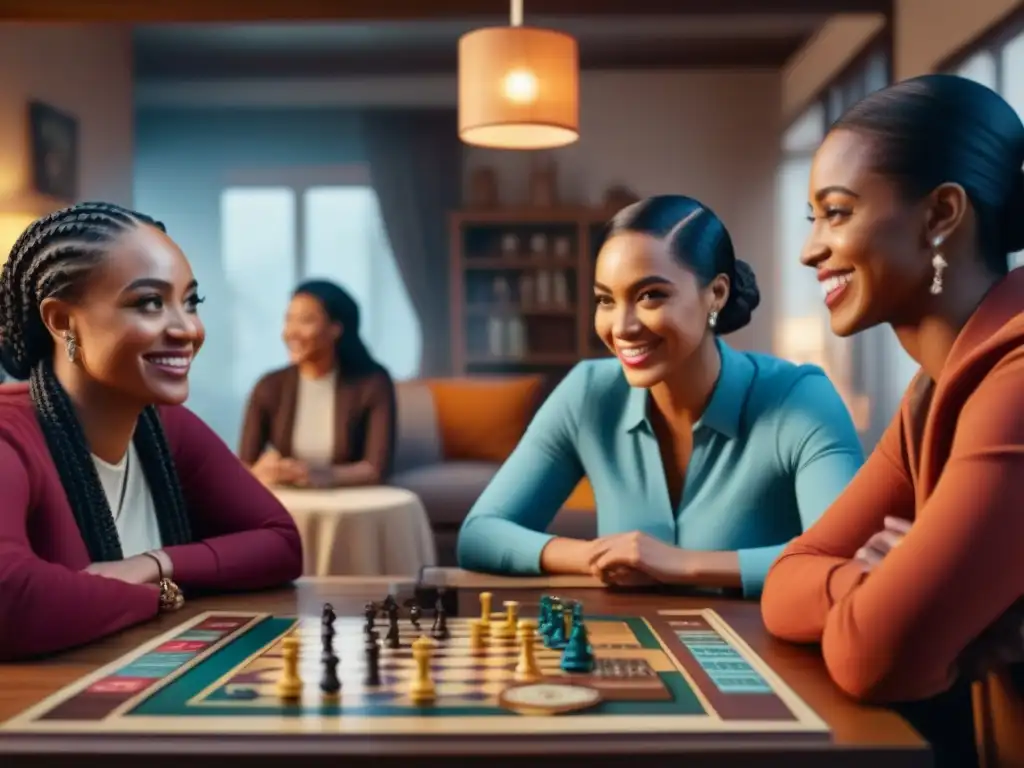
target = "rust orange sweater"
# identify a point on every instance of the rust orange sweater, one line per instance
(952, 461)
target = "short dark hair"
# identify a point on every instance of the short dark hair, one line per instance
(698, 239)
(940, 128)
(51, 258)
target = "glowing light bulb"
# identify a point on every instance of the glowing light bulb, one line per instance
(520, 86)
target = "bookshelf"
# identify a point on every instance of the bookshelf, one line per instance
(521, 289)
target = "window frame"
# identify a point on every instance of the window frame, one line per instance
(993, 41)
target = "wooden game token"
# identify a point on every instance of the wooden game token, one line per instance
(546, 698)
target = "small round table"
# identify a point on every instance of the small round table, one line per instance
(374, 531)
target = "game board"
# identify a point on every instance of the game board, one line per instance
(671, 672)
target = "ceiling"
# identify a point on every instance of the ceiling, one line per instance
(330, 49)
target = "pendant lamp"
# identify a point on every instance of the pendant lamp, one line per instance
(518, 86)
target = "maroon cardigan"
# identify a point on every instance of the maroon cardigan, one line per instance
(245, 539)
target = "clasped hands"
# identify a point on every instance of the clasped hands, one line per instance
(632, 559)
(274, 469)
(1000, 644)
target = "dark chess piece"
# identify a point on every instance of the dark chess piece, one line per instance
(414, 616)
(439, 631)
(330, 683)
(393, 638)
(327, 638)
(370, 612)
(371, 676)
(328, 615)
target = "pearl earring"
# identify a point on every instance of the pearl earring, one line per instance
(939, 265)
(713, 319)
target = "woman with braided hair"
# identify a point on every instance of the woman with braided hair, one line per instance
(116, 500)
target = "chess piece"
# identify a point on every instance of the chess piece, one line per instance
(422, 690)
(370, 612)
(392, 637)
(328, 615)
(289, 686)
(485, 611)
(506, 630)
(476, 634)
(578, 656)
(440, 629)
(329, 683)
(371, 674)
(527, 669)
(557, 636)
(544, 616)
(414, 616)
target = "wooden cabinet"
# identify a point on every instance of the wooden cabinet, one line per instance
(521, 289)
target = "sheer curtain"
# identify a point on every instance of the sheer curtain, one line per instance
(415, 160)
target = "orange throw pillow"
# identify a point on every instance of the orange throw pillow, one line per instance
(483, 419)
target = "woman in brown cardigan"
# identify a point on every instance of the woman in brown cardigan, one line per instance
(328, 419)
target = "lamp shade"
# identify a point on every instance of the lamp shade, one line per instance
(518, 88)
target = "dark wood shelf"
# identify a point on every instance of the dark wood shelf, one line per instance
(521, 284)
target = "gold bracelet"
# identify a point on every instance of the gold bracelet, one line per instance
(171, 598)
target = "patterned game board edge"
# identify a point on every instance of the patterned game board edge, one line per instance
(459, 725)
(682, 670)
(27, 719)
(802, 711)
(200, 697)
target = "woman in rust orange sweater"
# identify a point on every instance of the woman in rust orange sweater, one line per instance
(917, 197)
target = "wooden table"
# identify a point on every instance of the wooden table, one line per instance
(862, 736)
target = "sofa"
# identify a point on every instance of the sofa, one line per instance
(452, 436)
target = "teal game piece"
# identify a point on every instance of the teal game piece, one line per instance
(544, 616)
(578, 656)
(556, 634)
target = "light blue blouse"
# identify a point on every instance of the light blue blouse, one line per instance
(774, 447)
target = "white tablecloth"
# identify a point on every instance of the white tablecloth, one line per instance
(376, 531)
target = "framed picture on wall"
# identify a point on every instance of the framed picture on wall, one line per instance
(54, 151)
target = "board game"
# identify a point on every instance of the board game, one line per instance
(561, 671)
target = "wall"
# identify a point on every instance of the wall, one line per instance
(86, 71)
(711, 135)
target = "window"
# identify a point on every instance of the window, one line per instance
(997, 61)
(345, 242)
(981, 68)
(258, 250)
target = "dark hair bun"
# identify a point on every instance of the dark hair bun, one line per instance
(1013, 217)
(743, 300)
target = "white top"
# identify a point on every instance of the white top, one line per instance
(313, 432)
(135, 517)
(365, 531)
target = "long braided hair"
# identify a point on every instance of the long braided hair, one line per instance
(49, 260)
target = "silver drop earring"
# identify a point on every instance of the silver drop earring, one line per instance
(713, 319)
(70, 345)
(939, 265)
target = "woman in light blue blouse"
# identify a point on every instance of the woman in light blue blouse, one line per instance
(704, 461)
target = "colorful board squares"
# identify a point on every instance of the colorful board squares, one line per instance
(728, 670)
